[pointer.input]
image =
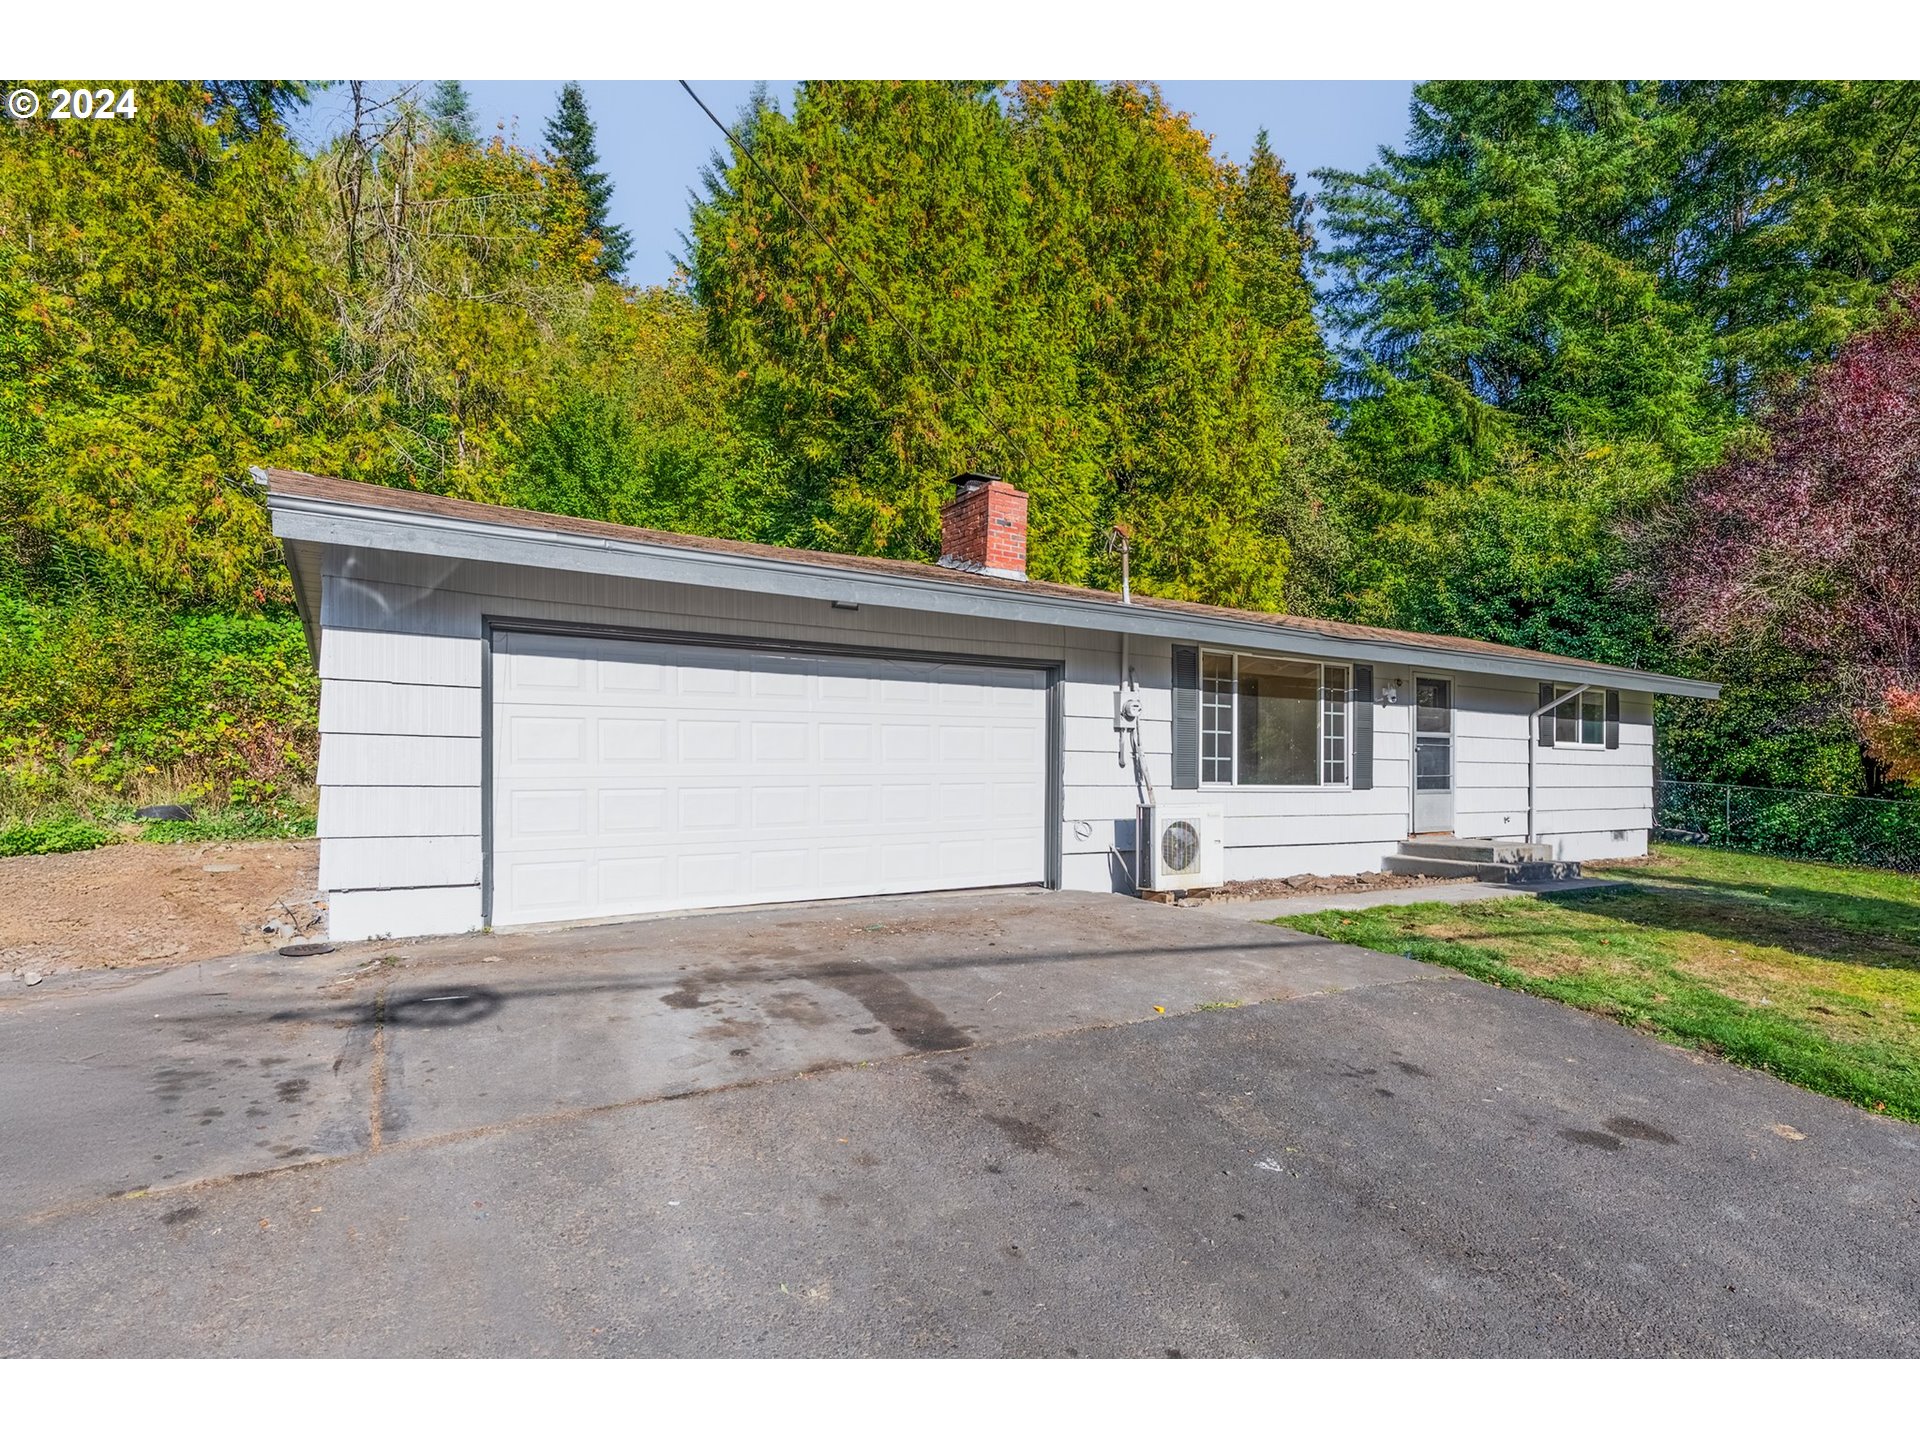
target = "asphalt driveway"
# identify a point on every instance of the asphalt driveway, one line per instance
(1003, 1124)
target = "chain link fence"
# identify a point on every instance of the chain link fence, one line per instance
(1803, 824)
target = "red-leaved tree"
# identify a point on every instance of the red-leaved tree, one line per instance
(1812, 541)
(1893, 734)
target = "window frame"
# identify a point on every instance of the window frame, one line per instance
(1576, 715)
(1321, 760)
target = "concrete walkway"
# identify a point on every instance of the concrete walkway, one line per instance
(1279, 906)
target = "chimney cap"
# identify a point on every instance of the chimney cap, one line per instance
(971, 477)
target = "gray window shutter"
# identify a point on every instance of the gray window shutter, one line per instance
(1360, 727)
(1546, 716)
(1613, 719)
(1186, 717)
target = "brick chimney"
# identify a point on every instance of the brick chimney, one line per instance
(984, 527)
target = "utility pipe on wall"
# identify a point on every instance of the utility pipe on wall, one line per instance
(1533, 749)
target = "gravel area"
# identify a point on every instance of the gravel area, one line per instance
(1323, 885)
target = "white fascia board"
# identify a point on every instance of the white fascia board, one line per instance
(328, 522)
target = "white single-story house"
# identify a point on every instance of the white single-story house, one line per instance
(529, 719)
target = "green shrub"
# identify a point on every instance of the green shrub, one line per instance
(109, 694)
(53, 837)
(285, 821)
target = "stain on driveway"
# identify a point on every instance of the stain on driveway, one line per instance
(783, 1168)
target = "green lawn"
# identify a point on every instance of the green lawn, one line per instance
(1809, 971)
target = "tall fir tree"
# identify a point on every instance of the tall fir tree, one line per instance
(1063, 269)
(1561, 299)
(1268, 225)
(570, 139)
(451, 109)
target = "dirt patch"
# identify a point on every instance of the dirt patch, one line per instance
(126, 905)
(1321, 885)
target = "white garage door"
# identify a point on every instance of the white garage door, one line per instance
(633, 776)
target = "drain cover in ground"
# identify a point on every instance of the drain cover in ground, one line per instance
(310, 947)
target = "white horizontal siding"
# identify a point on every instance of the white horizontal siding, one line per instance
(1278, 862)
(1559, 822)
(1099, 872)
(1321, 829)
(399, 658)
(384, 914)
(392, 863)
(398, 760)
(1613, 844)
(1095, 735)
(377, 810)
(380, 707)
(1086, 768)
(400, 717)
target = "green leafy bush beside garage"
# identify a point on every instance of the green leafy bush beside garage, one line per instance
(111, 698)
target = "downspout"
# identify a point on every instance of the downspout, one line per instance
(1533, 749)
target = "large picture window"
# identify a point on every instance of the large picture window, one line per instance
(1265, 721)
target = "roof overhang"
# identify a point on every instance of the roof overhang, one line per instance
(300, 521)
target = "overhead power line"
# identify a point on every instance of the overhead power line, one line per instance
(923, 353)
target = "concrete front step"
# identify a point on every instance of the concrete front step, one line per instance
(1527, 872)
(1497, 852)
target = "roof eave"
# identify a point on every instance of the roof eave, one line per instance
(334, 522)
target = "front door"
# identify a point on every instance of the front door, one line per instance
(1433, 755)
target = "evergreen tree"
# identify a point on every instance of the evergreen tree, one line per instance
(1060, 298)
(1271, 238)
(249, 107)
(570, 139)
(1564, 298)
(451, 109)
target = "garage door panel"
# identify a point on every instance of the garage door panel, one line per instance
(1015, 745)
(696, 741)
(554, 673)
(623, 812)
(846, 804)
(639, 776)
(782, 872)
(776, 805)
(633, 678)
(963, 804)
(711, 807)
(778, 741)
(963, 743)
(550, 812)
(705, 680)
(545, 739)
(770, 681)
(908, 864)
(842, 868)
(845, 744)
(630, 740)
(906, 804)
(906, 744)
(560, 884)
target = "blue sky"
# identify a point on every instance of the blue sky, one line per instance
(653, 140)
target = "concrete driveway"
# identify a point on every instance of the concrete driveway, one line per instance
(1003, 1123)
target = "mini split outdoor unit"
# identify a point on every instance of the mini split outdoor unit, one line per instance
(1180, 847)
